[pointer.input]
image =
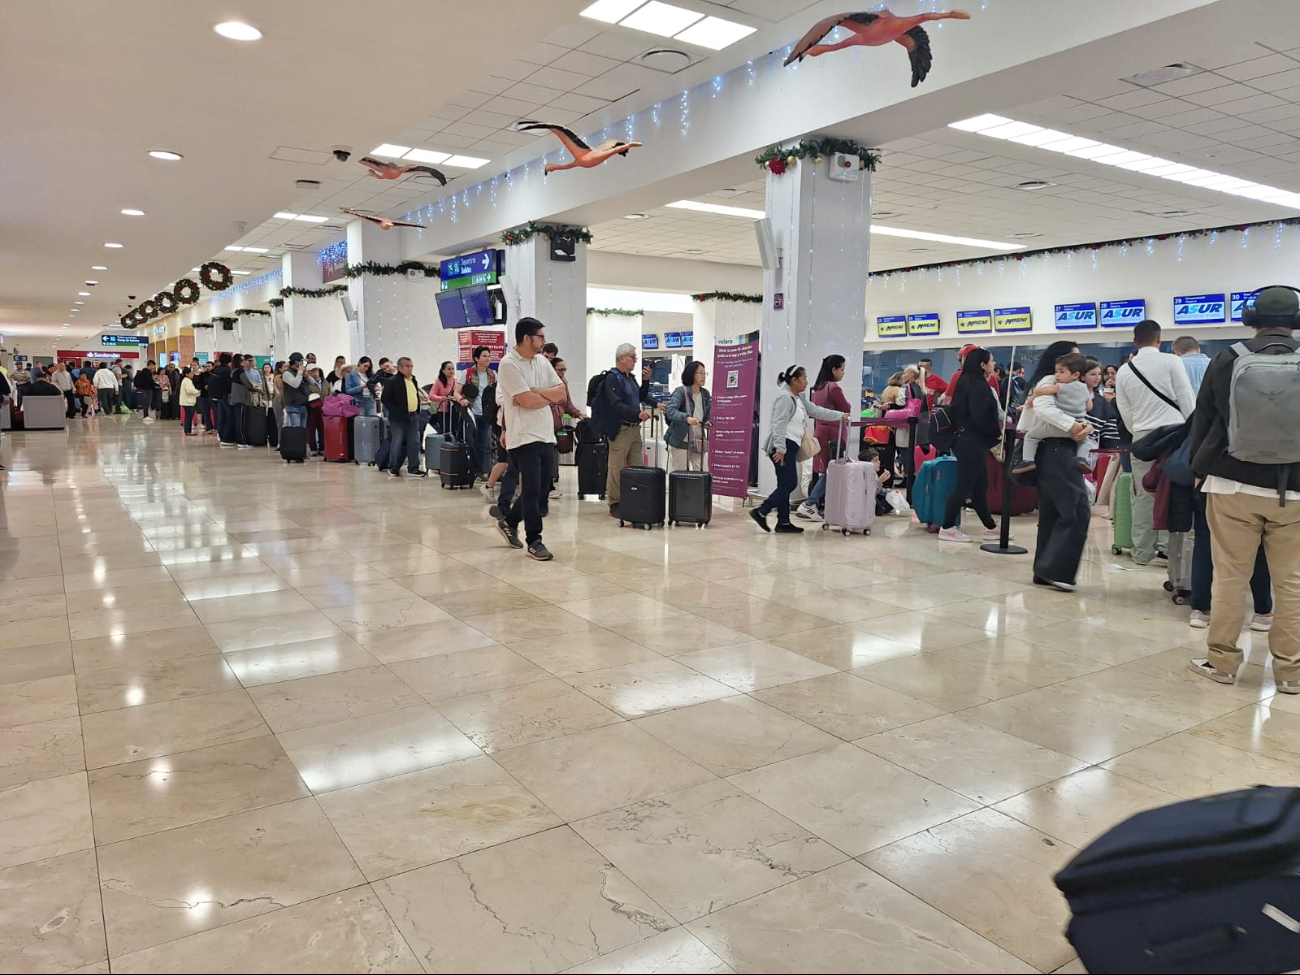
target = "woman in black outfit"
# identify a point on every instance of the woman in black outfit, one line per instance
(977, 422)
(1064, 509)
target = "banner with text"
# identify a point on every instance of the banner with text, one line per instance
(891, 326)
(469, 339)
(925, 324)
(975, 322)
(1017, 319)
(735, 385)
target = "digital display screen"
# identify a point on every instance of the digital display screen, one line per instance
(649, 342)
(672, 340)
(1240, 299)
(1077, 315)
(1201, 309)
(1117, 314)
(688, 339)
(478, 307)
(451, 310)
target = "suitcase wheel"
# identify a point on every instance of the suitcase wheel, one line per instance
(846, 533)
(1169, 586)
(1116, 550)
(1179, 599)
(620, 523)
(700, 524)
(825, 527)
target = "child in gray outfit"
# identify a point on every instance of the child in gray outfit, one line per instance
(1070, 394)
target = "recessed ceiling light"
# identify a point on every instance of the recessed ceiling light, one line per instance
(166, 154)
(84, 294)
(694, 250)
(660, 18)
(388, 149)
(427, 156)
(78, 302)
(714, 33)
(718, 208)
(996, 245)
(636, 216)
(238, 31)
(1170, 72)
(257, 250)
(1025, 234)
(611, 11)
(882, 213)
(1033, 184)
(113, 245)
(92, 282)
(1174, 213)
(99, 267)
(132, 213)
(1108, 155)
(466, 162)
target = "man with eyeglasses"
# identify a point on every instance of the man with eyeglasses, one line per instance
(622, 394)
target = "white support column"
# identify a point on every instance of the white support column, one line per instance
(309, 324)
(555, 293)
(722, 320)
(823, 232)
(376, 331)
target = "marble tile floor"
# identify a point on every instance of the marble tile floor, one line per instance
(305, 719)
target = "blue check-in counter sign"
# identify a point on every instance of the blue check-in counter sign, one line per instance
(1239, 301)
(974, 322)
(926, 324)
(1077, 315)
(1017, 319)
(1200, 309)
(1122, 314)
(891, 326)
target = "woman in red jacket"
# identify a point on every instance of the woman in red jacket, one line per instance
(826, 393)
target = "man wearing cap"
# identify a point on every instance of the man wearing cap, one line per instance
(295, 392)
(1247, 503)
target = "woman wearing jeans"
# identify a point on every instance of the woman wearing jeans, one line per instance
(977, 423)
(790, 414)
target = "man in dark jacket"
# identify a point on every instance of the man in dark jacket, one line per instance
(622, 396)
(145, 388)
(219, 391)
(1249, 503)
(401, 398)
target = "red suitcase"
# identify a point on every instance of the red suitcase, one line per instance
(338, 439)
(1023, 499)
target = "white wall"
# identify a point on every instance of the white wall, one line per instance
(659, 322)
(1231, 261)
(605, 333)
(606, 269)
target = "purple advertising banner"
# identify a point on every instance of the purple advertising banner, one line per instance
(735, 382)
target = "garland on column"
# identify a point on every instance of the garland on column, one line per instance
(624, 312)
(333, 289)
(225, 320)
(276, 302)
(252, 311)
(777, 159)
(747, 299)
(533, 229)
(372, 267)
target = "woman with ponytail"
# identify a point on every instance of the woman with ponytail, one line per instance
(790, 414)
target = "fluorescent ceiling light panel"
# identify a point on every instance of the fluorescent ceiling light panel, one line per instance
(714, 33)
(996, 245)
(285, 215)
(99, 267)
(132, 213)
(112, 245)
(718, 208)
(1009, 130)
(311, 218)
(388, 149)
(241, 272)
(611, 11)
(232, 247)
(427, 156)
(660, 18)
(1040, 137)
(466, 162)
(257, 250)
(238, 31)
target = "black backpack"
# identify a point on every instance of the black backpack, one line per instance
(490, 407)
(594, 384)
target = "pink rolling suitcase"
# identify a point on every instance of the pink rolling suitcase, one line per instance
(850, 495)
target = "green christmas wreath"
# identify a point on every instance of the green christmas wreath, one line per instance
(186, 291)
(216, 276)
(166, 302)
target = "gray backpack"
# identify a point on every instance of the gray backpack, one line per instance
(1264, 404)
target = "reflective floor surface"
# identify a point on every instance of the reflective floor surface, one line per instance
(270, 718)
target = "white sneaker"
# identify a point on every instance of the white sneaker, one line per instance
(489, 494)
(148, 419)
(556, 494)
(995, 535)
(1262, 623)
(953, 535)
(1288, 686)
(1199, 620)
(807, 513)
(1202, 666)
(244, 446)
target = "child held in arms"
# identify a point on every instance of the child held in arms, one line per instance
(1068, 391)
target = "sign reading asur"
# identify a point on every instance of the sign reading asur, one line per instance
(1118, 314)
(1200, 309)
(469, 339)
(1076, 315)
(731, 433)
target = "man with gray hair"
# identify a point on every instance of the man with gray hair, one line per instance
(622, 394)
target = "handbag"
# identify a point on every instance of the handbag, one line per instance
(809, 447)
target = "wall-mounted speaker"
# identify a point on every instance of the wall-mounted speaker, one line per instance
(349, 312)
(768, 253)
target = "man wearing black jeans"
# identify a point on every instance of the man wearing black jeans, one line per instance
(219, 391)
(526, 387)
(401, 398)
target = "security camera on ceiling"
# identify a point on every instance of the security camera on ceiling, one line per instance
(342, 153)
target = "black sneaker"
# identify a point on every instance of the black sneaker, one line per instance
(394, 474)
(418, 473)
(539, 552)
(760, 519)
(495, 512)
(785, 528)
(509, 534)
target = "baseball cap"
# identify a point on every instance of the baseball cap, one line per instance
(295, 357)
(1277, 302)
(967, 349)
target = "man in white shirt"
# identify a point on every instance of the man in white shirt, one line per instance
(526, 387)
(1152, 391)
(106, 386)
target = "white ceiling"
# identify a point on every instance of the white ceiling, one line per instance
(1241, 117)
(93, 86)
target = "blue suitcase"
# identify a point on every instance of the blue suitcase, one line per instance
(1209, 885)
(934, 482)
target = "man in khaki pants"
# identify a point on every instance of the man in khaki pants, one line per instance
(1250, 470)
(622, 395)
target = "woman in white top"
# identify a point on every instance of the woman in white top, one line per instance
(790, 414)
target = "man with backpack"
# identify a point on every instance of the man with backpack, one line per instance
(1245, 446)
(617, 413)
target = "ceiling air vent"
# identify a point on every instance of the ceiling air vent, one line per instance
(1170, 72)
(666, 59)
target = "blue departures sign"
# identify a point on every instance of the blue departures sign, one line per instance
(1200, 309)
(1119, 314)
(1077, 315)
(480, 262)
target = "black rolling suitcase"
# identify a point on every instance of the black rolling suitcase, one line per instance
(593, 468)
(690, 493)
(254, 425)
(293, 444)
(642, 503)
(456, 460)
(1211, 885)
(272, 431)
